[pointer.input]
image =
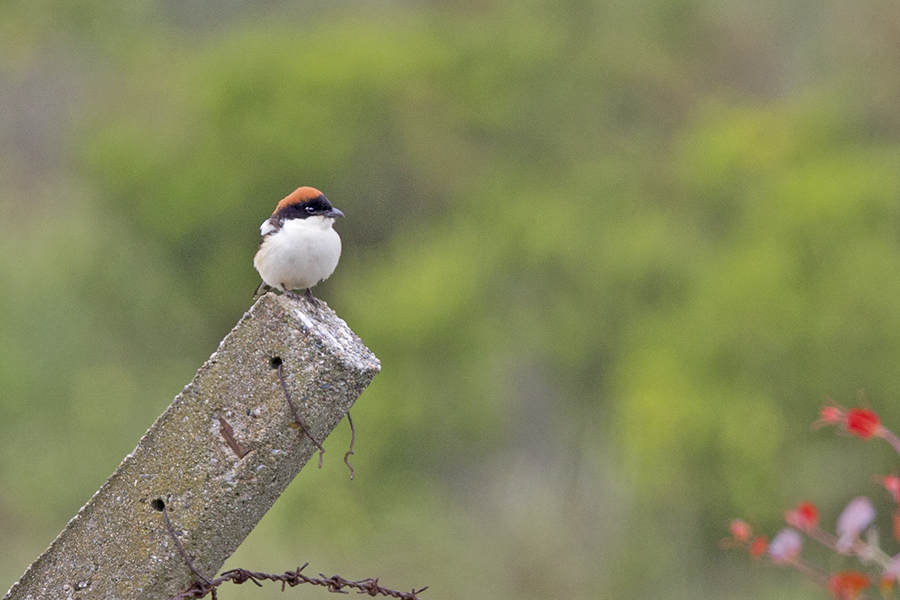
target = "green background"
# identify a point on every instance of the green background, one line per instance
(613, 255)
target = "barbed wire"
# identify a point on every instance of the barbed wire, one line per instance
(335, 584)
(295, 413)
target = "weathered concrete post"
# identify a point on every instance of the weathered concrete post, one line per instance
(217, 458)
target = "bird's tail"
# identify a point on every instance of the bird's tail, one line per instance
(262, 290)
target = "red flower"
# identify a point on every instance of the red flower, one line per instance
(863, 423)
(804, 517)
(846, 585)
(758, 546)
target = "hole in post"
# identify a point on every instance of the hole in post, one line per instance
(275, 362)
(158, 504)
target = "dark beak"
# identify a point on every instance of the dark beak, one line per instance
(334, 213)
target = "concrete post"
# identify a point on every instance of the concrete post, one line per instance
(217, 459)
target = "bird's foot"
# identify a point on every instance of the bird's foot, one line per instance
(311, 298)
(295, 296)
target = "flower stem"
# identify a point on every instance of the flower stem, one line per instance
(891, 438)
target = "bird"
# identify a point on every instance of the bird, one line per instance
(299, 246)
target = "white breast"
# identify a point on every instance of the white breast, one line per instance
(300, 255)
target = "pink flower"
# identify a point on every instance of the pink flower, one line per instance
(830, 415)
(892, 484)
(785, 546)
(858, 515)
(740, 531)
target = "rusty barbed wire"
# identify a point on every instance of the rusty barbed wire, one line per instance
(287, 396)
(334, 584)
(159, 505)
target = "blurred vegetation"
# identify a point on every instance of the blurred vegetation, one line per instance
(613, 256)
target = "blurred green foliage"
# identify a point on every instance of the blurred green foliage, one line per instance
(612, 255)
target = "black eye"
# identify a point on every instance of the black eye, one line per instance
(311, 209)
